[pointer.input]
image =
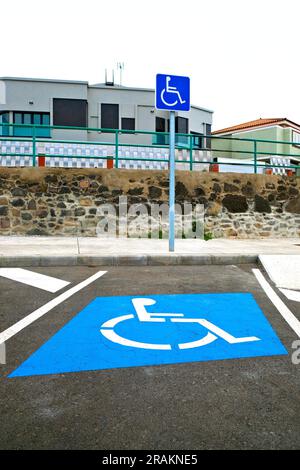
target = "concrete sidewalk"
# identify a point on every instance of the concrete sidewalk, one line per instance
(62, 251)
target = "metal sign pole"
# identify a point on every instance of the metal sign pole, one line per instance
(172, 93)
(172, 183)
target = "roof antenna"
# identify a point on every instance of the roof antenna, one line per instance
(120, 67)
(109, 82)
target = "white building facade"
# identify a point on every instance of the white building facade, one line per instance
(102, 106)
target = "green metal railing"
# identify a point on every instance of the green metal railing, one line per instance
(252, 149)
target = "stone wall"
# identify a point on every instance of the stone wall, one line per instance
(46, 201)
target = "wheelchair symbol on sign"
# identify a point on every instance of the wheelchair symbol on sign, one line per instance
(171, 90)
(139, 304)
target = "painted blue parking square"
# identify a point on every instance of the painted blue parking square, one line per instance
(115, 332)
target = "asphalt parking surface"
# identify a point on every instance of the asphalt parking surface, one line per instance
(242, 403)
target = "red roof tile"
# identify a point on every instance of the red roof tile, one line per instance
(252, 124)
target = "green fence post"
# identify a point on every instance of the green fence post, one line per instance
(33, 147)
(255, 156)
(191, 152)
(117, 148)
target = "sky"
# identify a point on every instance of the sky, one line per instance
(242, 56)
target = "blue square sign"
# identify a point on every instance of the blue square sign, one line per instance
(114, 332)
(172, 92)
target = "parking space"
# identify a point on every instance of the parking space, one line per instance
(159, 357)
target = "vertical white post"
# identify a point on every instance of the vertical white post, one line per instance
(172, 183)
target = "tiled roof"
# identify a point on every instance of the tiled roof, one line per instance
(256, 123)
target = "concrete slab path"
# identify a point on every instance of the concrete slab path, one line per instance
(43, 251)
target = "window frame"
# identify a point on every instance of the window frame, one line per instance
(200, 137)
(161, 139)
(5, 125)
(185, 120)
(116, 106)
(296, 143)
(124, 129)
(55, 123)
(208, 133)
(39, 130)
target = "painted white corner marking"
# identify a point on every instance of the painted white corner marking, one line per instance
(277, 302)
(291, 294)
(41, 281)
(13, 330)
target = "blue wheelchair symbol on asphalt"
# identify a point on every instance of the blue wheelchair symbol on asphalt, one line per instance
(172, 92)
(115, 332)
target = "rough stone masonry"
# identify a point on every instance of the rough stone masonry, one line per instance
(58, 201)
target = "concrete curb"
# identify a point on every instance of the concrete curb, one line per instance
(126, 260)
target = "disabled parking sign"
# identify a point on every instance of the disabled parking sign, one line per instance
(172, 92)
(115, 332)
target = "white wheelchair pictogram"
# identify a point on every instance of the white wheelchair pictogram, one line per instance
(171, 90)
(139, 304)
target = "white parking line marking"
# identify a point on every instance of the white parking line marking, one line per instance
(283, 270)
(291, 294)
(277, 302)
(41, 281)
(20, 325)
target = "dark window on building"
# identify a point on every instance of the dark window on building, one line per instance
(128, 124)
(197, 140)
(208, 132)
(160, 126)
(69, 112)
(181, 125)
(208, 129)
(4, 119)
(109, 116)
(24, 118)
